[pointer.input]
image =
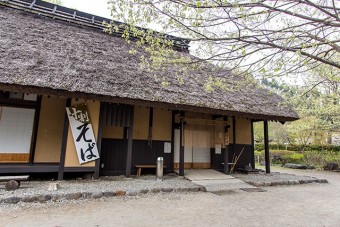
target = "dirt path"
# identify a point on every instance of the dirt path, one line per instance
(303, 205)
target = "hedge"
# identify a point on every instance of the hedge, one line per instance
(297, 147)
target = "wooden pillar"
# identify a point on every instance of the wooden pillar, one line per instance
(129, 145)
(63, 143)
(99, 139)
(226, 153)
(266, 146)
(234, 134)
(181, 150)
(35, 129)
(252, 145)
(173, 114)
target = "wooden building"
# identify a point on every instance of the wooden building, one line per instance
(52, 57)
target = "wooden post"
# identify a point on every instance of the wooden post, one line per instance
(252, 145)
(171, 168)
(234, 134)
(226, 153)
(129, 145)
(35, 130)
(181, 150)
(99, 138)
(266, 146)
(63, 143)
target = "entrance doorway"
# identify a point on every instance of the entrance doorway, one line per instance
(195, 157)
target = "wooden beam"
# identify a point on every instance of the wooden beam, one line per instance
(226, 153)
(171, 165)
(35, 129)
(63, 143)
(129, 145)
(234, 134)
(150, 127)
(252, 144)
(266, 146)
(181, 150)
(99, 138)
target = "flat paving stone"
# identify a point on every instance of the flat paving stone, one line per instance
(221, 185)
(214, 181)
(205, 174)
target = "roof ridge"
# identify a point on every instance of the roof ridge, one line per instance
(81, 18)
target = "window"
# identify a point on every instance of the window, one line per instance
(16, 126)
(17, 114)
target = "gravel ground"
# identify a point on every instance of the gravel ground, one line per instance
(112, 184)
(104, 184)
(299, 205)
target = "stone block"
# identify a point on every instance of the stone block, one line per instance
(131, 193)
(167, 189)
(12, 200)
(11, 185)
(97, 195)
(155, 190)
(267, 183)
(109, 194)
(194, 189)
(73, 196)
(275, 183)
(86, 195)
(183, 189)
(291, 182)
(29, 199)
(43, 198)
(143, 191)
(56, 197)
(203, 189)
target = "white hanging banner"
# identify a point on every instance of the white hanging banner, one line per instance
(82, 132)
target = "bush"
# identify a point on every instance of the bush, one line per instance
(297, 147)
(315, 158)
(293, 158)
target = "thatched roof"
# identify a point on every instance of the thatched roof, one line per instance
(48, 56)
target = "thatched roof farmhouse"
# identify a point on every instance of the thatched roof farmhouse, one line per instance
(53, 57)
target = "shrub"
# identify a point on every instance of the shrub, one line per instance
(297, 147)
(315, 158)
(293, 158)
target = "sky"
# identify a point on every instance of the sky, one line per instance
(96, 7)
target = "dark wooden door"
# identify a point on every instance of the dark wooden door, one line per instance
(113, 157)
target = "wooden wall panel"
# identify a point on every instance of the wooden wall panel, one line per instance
(243, 131)
(162, 124)
(113, 132)
(50, 129)
(193, 165)
(114, 156)
(14, 157)
(141, 123)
